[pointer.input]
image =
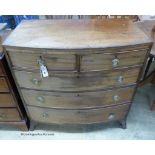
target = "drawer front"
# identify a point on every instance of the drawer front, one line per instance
(2, 67)
(52, 61)
(7, 100)
(1, 71)
(46, 115)
(9, 114)
(108, 61)
(72, 82)
(3, 85)
(77, 100)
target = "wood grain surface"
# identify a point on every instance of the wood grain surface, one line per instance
(3, 85)
(105, 61)
(84, 86)
(7, 100)
(70, 81)
(77, 100)
(9, 114)
(76, 34)
(1, 70)
(52, 61)
(148, 27)
(90, 116)
(100, 60)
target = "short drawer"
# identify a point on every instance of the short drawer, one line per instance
(7, 100)
(78, 100)
(9, 114)
(90, 116)
(77, 82)
(108, 61)
(29, 60)
(3, 85)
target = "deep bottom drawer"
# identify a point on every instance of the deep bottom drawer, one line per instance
(90, 116)
(9, 114)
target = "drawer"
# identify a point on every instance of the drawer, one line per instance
(3, 85)
(88, 116)
(7, 100)
(29, 60)
(1, 71)
(77, 100)
(73, 82)
(108, 61)
(9, 114)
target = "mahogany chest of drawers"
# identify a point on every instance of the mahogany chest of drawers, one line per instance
(11, 109)
(77, 71)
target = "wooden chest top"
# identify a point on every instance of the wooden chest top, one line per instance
(75, 34)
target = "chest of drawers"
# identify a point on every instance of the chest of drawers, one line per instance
(11, 109)
(91, 69)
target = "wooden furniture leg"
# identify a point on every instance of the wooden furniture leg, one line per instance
(22, 127)
(148, 66)
(148, 79)
(32, 125)
(153, 105)
(123, 124)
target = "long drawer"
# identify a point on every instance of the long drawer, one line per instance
(100, 60)
(88, 116)
(77, 100)
(7, 100)
(77, 82)
(3, 85)
(110, 61)
(9, 114)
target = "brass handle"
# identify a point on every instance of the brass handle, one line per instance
(35, 81)
(45, 115)
(115, 62)
(40, 99)
(111, 116)
(120, 79)
(2, 116)
(115, 97)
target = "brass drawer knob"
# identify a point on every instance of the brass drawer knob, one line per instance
(120, 79)
(35, 81)
(77, 95)
(44, 115)
(115, 62)
(115, 97)
(40, 99)
(111, 116)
